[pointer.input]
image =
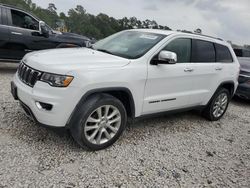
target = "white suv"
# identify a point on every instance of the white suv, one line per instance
(133, 73)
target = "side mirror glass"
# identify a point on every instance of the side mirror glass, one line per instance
(167, 57)
(42, 29)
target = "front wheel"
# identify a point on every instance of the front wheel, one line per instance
(218, 105)
(99, 122)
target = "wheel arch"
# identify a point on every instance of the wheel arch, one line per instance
(122, 93)
(227, 85)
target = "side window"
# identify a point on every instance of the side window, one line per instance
(223, 54)
(202, 51)
(238, 52)
(20, 19)
(182, 47)
(246, 53)
(0, 15)
(4, 16)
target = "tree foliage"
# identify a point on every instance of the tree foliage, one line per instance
(81, 22)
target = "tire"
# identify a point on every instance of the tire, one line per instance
(218, 105)
(91, 128)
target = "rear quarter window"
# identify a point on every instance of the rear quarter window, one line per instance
(202, 51)
(223, 54)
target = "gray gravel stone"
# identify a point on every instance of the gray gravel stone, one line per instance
(181, 150)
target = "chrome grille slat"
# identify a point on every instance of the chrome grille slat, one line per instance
(28, 75)
(20, 69)
(23, 71)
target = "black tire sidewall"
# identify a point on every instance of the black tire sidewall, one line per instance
(77, 128)
(211, 105)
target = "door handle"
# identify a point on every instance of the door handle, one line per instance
(16, 33)
(188, 70)
(218, 68)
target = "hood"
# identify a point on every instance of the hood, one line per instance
(244, 63)
(64, 60)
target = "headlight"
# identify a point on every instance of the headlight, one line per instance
(56, 80)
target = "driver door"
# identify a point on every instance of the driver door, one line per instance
(24, 34)
(169, 86)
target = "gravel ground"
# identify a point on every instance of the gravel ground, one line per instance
(181, 150)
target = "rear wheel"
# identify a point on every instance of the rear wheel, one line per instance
(218, 105)
(99, 122)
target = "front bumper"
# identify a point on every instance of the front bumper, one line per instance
(63, 101)
(243, 91)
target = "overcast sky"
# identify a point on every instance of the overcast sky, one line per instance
(228, 19)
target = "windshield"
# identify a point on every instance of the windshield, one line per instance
(128, 44)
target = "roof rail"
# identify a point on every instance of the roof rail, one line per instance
(190, 32)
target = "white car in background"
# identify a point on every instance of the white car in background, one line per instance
(131, 74)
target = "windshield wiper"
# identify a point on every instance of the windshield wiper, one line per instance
(105, 51)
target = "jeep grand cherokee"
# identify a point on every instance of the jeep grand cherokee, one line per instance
(131, 74)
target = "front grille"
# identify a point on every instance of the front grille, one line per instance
(28, 75)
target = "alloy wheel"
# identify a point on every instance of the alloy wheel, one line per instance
(220, 105)
(102, 124)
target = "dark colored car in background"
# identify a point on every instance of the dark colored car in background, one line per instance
(243, 90)
(21, 32)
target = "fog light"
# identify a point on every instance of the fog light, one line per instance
(45, 106)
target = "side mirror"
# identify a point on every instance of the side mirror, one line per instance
(167, 57)
(42, 29)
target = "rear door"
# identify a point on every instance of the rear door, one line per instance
(206, 72)
(4, 34)
(225, 63)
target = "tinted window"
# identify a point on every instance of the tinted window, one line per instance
(246, 53)
(223, 54)
(182, 47)
(23, 20)
(238, 52)
(242, 53)
(202, 51)
(4, 16)
(0, 15)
